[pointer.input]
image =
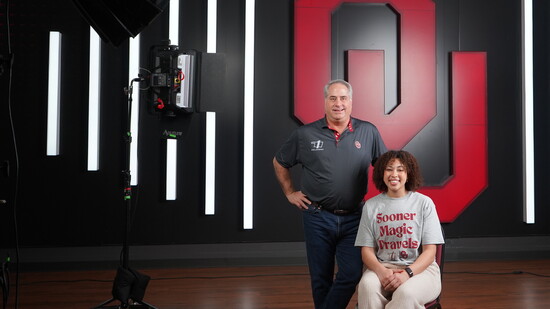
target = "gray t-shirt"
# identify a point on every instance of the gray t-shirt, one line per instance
(398, 227)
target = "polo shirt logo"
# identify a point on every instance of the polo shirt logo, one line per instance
(357, 145)
(316, 145)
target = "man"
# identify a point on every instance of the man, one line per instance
(335, 153)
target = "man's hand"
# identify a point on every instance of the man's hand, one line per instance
(298, 199)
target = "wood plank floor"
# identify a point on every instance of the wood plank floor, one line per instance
(483, 284)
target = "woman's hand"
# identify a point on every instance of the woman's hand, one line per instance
(391, 282)
(388, 279)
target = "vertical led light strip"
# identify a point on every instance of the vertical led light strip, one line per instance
(173, 22)
(172, 144)
(248, 151)
(528, 130)
(133, 72)
(210, 165)
(210, 150)
(171, 168)
(54, 76)
(212, 26)
(93, 101)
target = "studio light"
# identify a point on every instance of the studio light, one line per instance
(116, 21)
(528, 128)
(133, 71)
(211, 26)
(210, 165)
(248, 151)
(174, 22)
(93, 100)
(210, 162)
(54, 76)
(171, 168)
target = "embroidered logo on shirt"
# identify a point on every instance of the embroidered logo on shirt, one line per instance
(316, 145)
(357, 145)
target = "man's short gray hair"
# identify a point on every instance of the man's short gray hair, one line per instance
(339, 81)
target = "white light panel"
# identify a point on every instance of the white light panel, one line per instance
(133, 72)
(54, 75)
(171, 168)
(211, 26)
(173, 22)
(210, 161)
(248, 151)
(528, 130)
(210, 165)
(93, 100)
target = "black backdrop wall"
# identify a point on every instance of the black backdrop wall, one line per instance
(60, 204)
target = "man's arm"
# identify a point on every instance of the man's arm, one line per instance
(296, 198)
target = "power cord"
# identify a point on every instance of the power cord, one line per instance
(171, 278)
(516, 272)
(9, 64)
(5, 281)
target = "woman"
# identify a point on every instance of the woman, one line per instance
(398, 233)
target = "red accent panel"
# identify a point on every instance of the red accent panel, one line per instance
(418, 103)
(469, 104)
(312, 58)
(417, 68)
(366, 69)
(366, 73)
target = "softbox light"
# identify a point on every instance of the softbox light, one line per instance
(117, 20)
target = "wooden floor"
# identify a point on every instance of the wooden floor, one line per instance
(485, 284)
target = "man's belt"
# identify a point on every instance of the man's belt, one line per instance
(338, 212)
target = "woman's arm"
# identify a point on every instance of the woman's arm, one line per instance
(392, 279)
(425, 259)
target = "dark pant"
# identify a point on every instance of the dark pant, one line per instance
(330, 238)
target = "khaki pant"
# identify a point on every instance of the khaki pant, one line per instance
(414, 293)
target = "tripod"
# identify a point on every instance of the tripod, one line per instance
(128, 283)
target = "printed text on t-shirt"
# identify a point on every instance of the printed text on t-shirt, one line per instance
(399, 231)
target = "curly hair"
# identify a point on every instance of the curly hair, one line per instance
(414, 176)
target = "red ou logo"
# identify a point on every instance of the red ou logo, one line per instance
(418, 92)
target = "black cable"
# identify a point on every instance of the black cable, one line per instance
(5, 281)
(231, 277)
(65, 281)
(147, 79)
(16, 153)
(516, 272)
(169, 278)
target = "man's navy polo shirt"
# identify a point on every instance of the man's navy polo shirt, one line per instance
(334, 173)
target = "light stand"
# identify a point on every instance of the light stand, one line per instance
(129, 285)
